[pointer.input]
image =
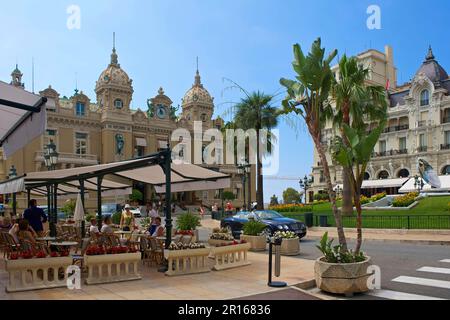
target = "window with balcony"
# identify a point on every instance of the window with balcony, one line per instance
(402, 145)
(382, 147)
(446, 145)
(80, 109)
(425, 98)
(422, 143)
(322, 177)
(81, 140)
(446, 116)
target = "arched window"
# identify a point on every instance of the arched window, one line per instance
(118, 104)
(366, 176)
(446, 170)
(383, 175)
(404, 173)
(425, 98)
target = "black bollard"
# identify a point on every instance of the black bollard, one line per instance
(270, 283)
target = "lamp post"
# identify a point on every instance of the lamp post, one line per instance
(50, 159)
(418, 183)
(338, 190)
(12, 175)
(305, 184)
(244, 169)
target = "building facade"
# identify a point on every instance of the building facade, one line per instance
(107, 130)
(418, 125)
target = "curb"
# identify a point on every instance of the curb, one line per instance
(410, 241)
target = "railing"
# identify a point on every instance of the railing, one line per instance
(422, 149)
(389, 153)
(396, 128)
(445, 146)
(421, 123)
(67, 157)
(381, 221)
(446, 119)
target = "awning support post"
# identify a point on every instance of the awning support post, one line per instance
(82, 202)
(54, 211)
(167, 209)
(99, 201)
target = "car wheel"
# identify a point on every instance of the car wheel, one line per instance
(229, 229)
(267, 232)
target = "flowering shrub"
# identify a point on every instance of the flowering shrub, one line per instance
(285, 235)
(334, 254)
(185, 232)
(363, 199)
(378, 196)
(405, 200)
(290, 208)
(221, 234)
(185, 246)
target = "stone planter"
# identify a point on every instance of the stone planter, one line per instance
(32, 274)
(108, 268)
(189, 261)
(257, 243)
(342, 278)
(214, 242)
(290, 247)
(231, 256)
(194, 237)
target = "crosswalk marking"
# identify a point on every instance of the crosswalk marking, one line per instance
(423, 282)
(435, 270)
(397, 295)
(445, 260)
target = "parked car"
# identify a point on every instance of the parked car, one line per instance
(60, 214)
(273, 220)
(108, 209)
(136, 211)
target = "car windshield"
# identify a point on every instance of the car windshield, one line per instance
(108, 207)
(268, 215)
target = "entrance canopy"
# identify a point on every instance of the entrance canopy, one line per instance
(409, 186)
(383, 183)
(22, 117)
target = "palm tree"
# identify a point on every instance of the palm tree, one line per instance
(351, 95)
(256, 111)
(308, 97)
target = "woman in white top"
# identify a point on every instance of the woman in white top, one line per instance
(106, 228)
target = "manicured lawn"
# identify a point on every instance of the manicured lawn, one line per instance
(430, 213)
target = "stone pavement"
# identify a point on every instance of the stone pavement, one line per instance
(433, 237)
(217, 285)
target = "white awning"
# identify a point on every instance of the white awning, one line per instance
(13, 186)
(162, 144)
(383, 183)
(141, 142)
(409, 186)
(23, 118)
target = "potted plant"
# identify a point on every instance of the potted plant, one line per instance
(252, 233)
(220, 236)
(290, 246)
(188, 222)
(340, 270)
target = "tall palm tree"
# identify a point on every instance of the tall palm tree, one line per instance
(307, 96)
(256, 111)
(351, 95)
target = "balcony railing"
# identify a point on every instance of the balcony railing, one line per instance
(445, 146)
(389, 153)
(83, 159)
(446, 119)
(396, 128)
(422, 149)
(421, 123)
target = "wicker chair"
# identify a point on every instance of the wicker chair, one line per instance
(10, 244)
(147, 253)
(157, 248)
(26, 245)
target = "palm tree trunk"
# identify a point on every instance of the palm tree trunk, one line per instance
(358, 221)
(347, 203)
(332, 194)
(259, 176)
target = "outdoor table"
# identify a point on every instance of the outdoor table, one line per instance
(46, 239)
(64, 244)
(123, 233)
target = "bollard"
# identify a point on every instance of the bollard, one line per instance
(277, 243)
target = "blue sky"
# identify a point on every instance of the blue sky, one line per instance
(248, 41)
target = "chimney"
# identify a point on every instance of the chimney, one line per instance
(391, 71)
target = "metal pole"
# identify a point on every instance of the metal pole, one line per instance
(243, 187)
(167, 171)
(82, 202)
(28, 196)
(53, 220)
(14, 205)
(99, 201)
(250, 189)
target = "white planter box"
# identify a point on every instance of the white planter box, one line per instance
(32, 274)
(181, 262)
(112, 267)
(257, 243)
(230, 256)
(214, 242)
(290, 247)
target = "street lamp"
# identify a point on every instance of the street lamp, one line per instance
(244, 170)
(305, 184)
(418, 183)
(12, 175)
(338, 190)
(50, 159)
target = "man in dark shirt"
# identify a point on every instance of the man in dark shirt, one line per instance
(35, 216)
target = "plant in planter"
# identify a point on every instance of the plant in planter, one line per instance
(188, 222)
(356, 103)
(220, 236)
(252, 233)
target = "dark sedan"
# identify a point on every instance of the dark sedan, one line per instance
(272, 219)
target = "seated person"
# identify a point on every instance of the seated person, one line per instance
(93, 229)
(106, 227)
(6, 224)
(159, 229)
(25, 231)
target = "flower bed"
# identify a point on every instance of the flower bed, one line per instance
(220, 236)
(406, 200)
(291, 208)
(31, 273)
(112, 264)
(230, 256)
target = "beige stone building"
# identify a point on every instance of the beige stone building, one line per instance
(418, 125)
(105, 130)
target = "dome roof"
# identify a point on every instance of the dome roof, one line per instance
(114, 74)
(432, 69)
(197, 94)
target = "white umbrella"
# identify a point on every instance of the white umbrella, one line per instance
(79, 210)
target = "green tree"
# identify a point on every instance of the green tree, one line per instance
(274, 200)
(290, 195)
(308, 97)
(69, 207)
(355, 101)
(228, 195)
(136, 195)
(256, 111)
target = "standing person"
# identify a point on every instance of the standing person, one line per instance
(35, 216)
(202, 211)
(214, 210)
(127, 219)
(229, 208)
(153, 216)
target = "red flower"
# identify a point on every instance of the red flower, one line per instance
(14, 256)
(53, 254)
(41, 255)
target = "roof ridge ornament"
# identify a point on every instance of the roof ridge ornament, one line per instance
(114, 56)
(430, 55)
(198, 81)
